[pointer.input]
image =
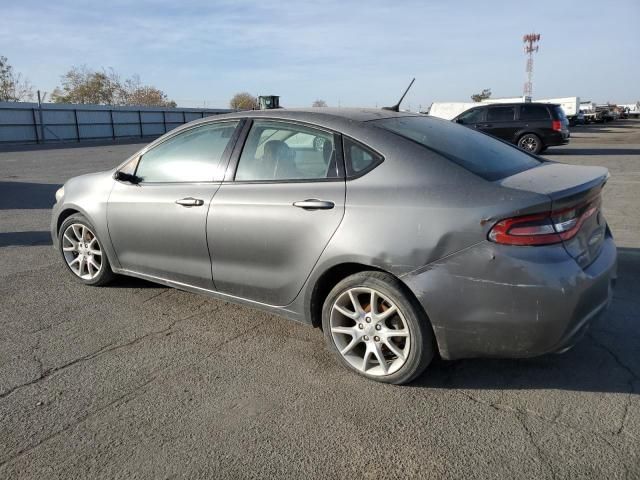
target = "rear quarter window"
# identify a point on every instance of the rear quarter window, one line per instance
(478, 153)
(534, 112)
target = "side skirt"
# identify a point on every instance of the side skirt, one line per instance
(280, 311)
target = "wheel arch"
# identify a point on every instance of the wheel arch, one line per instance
(336, 273)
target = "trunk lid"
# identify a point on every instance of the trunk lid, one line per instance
(573, 189)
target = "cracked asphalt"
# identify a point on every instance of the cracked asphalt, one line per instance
(137, 380)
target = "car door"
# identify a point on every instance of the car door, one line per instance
(500, 122)
(281, 203)
(157, 221)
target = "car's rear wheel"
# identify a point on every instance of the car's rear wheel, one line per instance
(377, 329)
(531, 143)
(82, 251)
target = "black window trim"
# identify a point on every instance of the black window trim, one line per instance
(221, 165)
(229, 177)
(544, 105)
(493, 106)
(365, 147)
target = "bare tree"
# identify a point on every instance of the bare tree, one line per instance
(13, 87)
(243, 101)
(319, 103)
(82, 85)
(478, 97)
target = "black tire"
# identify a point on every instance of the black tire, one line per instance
(105, 274)
(423, 346)
(530, 142)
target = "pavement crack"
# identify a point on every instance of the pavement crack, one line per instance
(541, 455)
(122, 399)
(101, 351)
(632, 378)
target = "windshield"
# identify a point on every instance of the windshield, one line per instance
(477, 152)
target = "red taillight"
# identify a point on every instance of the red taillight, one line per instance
(556, 125)
(542, 228)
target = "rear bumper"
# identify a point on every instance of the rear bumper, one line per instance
(557, 138)
(499, 301)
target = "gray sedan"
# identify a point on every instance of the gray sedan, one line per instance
(402, 236)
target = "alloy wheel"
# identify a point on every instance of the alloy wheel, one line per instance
(529, 143)
(82, 251)
(370, 331)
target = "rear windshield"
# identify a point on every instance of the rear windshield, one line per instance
(481, 154)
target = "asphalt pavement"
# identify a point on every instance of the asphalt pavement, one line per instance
(136, 380)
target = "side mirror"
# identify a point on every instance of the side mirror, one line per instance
(460, 121)
(126, 177)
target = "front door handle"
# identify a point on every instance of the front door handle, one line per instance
(314, 204)
(190, 202)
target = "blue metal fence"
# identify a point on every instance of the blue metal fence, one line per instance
(22, 122)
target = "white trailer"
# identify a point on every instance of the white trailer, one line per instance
(450, 110)
(570, 105)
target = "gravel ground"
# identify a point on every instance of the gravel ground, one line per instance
(139, 381)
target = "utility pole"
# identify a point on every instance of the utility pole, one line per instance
(530, 41)
(40, 100)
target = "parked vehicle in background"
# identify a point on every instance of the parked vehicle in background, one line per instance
(591, 114)
(450, 110)
(531, 126)
(632, 110)
(570, 106)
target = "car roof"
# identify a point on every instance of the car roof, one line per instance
(321, 113)
(514, 104)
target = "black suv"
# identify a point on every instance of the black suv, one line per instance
(531, 126)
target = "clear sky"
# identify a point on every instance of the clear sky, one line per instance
(347, 53)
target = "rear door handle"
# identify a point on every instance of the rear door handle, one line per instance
(314, 204)
(190, 202)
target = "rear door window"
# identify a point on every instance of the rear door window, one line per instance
(477, 152)
(534, 112)
(501, 114)
(282, 151)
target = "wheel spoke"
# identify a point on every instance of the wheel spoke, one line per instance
(354, 341)
(365, 359)
(81, 265)
(72, 248)
(356, 303)
(95, 252)
(397, 333)
(93, 263)
(372, 303)
(346, 313)
(387, 313)
(77, 232)
(394, 349)
(377, 351)
(345, 330)
(70, 240)
(74, 261)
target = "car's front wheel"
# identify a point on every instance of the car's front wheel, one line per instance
(530, 143)
(82, 251)
(377, 329)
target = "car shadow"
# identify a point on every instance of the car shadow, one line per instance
(605, 360)
(27, 196)
(25, 239)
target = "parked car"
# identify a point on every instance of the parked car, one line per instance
(402, 236)
(531, 126)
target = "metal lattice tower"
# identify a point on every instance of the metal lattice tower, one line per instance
(530, 41)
